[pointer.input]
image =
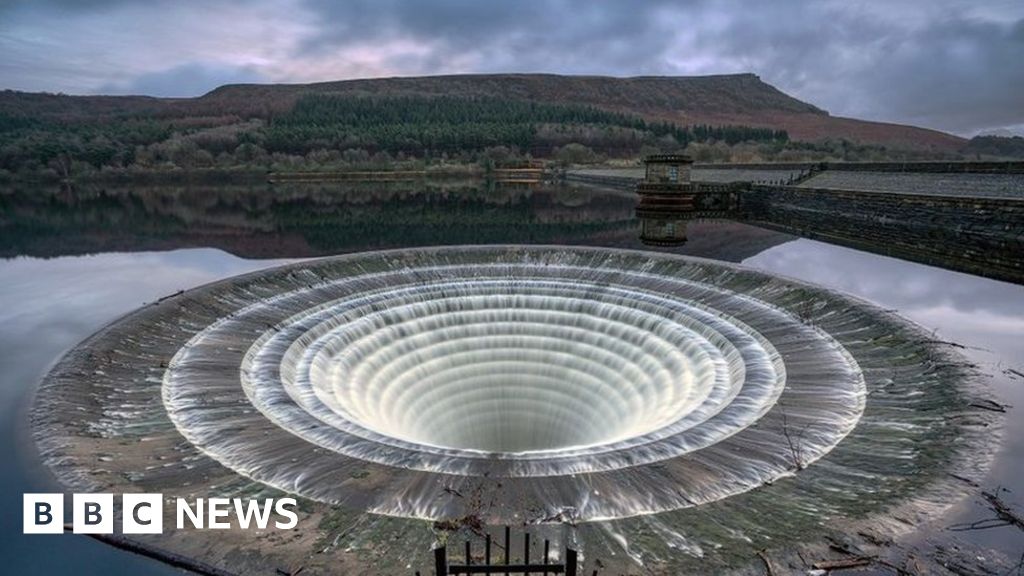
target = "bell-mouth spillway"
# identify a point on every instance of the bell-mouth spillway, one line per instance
(581, 382)
(517, 370)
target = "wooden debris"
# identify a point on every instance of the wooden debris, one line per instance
(1011, 372)
(967, 481)
(990, 405)
(1003, 510)
(767, 563)
(843, 564)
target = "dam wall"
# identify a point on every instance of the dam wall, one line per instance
(972, 224)
(932, 167)
(605, 181)
(616, 178)
(982, 236)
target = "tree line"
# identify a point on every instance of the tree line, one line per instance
(429, 126)
(336, 130)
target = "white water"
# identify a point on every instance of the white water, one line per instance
(515, 368)
(917, 429)
(478, 364)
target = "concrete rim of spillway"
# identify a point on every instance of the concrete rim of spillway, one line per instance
(689, 381)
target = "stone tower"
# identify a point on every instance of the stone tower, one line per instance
(668, 169)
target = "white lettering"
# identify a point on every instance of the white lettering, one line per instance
(282, 510)
(218, 508)
(253, 510)
(185, 510)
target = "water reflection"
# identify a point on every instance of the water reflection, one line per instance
(299, 220)
(306, 220)
(934, 236)
(986, 317)
(46, 307)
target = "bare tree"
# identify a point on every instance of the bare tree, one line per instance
(795, 442)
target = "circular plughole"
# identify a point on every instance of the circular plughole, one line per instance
(516, 369)
(581, 382)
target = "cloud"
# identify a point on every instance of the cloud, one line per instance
(947, 64)
(949, 68)
(185, 80)
(961, 75)
(570, 36)
(48, 47)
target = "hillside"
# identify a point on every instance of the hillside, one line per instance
(740, 99)
(740, 94)
(415, 123)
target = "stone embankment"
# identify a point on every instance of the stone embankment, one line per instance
(934, 167)
(801, 171)
(965, 216)
(981, 236)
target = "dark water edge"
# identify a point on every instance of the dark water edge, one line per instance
(32, 344)
(51, 300)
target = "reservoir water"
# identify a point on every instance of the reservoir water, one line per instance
(73, 263)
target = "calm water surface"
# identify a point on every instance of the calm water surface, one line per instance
(70, 268)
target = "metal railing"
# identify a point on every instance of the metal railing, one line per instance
(443, 566)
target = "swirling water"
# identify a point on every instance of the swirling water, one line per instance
(513, 364)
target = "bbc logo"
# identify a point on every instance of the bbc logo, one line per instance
(93, 514)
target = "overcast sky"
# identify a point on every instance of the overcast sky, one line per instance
(949, 64)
